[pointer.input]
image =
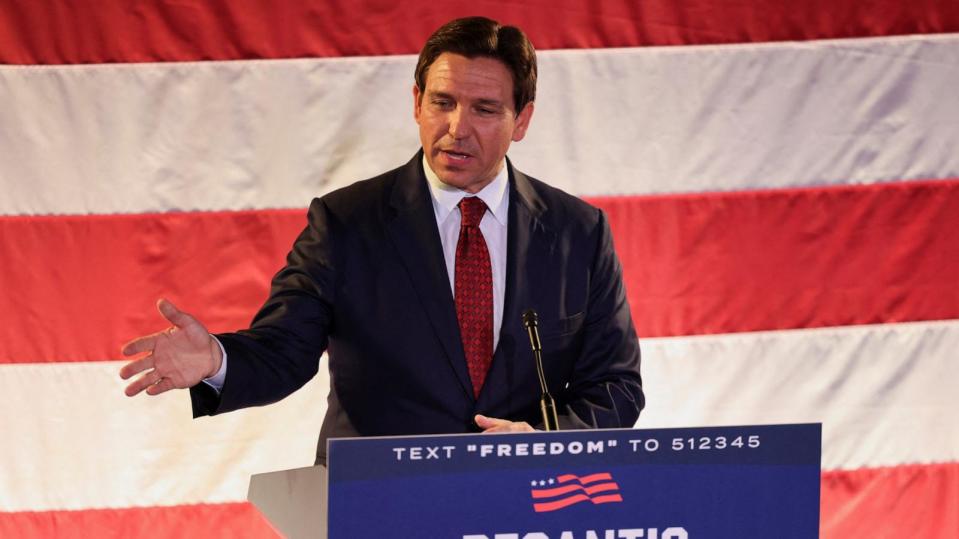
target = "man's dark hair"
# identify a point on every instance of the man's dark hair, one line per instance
(478, 36)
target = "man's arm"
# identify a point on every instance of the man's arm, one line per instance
(605, 389)
(277, 355)
(281, 350)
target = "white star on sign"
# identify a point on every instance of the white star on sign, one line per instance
(551, 481)
(532, 483)
(542, 483)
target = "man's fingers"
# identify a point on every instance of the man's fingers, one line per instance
(487, 423)
(137, 366)
(493, 425)
(139, 345)
(513, 426)
(141, 383)
(176, 317)
(148, 342)
(170, 354)
(164, 385)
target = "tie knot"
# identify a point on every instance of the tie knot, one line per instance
(473, 209)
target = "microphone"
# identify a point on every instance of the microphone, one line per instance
(546, 404)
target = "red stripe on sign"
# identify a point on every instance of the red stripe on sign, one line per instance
(602, 487)
(546, 507)
(787, 259)
(551, 492)
(586, 479)
(900, 501)
(88, 31)
(205, 520)
(608, 498)
(75, 288)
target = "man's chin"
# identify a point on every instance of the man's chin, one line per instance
(454, 177)
(453, 181)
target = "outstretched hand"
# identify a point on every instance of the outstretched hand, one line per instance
(178, 357)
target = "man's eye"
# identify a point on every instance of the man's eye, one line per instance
(442, 103)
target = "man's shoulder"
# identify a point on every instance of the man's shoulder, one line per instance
(556, 205)
(364, 197)
(373, 188)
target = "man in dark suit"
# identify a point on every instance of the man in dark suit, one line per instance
(415, 281)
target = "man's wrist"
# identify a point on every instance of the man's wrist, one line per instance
(218, 377)
(217, 351)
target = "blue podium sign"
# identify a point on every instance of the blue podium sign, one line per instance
(715, 482)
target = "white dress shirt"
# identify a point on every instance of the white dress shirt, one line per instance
(494, 226)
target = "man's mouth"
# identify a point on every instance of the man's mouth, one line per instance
(456, 156)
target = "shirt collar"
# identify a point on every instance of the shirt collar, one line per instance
(446, 197)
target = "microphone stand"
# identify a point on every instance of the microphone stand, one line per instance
(546, 404)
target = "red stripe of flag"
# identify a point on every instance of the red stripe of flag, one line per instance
(693, 264)
(789, 258)
(89, 283)
(911, 500)
(103, 31)
(201, 520)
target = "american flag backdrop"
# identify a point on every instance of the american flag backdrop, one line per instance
(782, 179)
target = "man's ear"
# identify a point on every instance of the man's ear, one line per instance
(416, 103)
(522, 122)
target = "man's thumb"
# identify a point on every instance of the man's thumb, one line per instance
(169, 311)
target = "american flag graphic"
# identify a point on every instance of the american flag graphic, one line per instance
(566, 490)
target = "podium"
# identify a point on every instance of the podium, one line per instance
(716, 482)
(294, 501)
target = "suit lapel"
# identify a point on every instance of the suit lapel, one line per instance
(529, 244)
(413, 231)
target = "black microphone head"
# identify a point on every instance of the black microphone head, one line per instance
(530, 318)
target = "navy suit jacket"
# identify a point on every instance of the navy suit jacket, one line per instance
(366, 280)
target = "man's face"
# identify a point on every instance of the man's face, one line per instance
(467, 119)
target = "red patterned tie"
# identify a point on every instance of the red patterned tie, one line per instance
(474, 292)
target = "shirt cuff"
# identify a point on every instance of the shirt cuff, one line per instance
(216, 381)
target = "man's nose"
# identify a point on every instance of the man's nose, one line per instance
(459, 124)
